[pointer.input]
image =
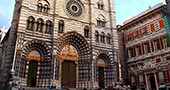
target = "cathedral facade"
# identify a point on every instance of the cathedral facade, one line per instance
(69, 43)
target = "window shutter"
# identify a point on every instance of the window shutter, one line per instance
(132, 36)
(144, 79)
(143, 48)
(145, 28)
(149, 50)
(161, 23)
(137, 80)
(152, 27)
(157, 77)
(140, 32)
(165, 76)
(158, 44)
(152, 46)
(134, 52)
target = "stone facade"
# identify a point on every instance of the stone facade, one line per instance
(144, 40)
(42, 28)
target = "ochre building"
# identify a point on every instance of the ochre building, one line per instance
(145, 50)
(58, 43)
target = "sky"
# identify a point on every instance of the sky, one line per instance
(125, 9)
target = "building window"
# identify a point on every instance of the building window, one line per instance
(86, 32)
(155, 45)
(97, 36)
(102, 39)
(141, 79)
(46, 8)
(101, 23)
(133, 80)
(130, 53)
(161, 77)
(108, 38)
(157, 27)
(144, 31)
(48, 27)
(61, 26)
(136, 35)
(39, 7)
(100, 5)
(30, 23)
(165, 42)
(137, 50)
(39, 25)
(145, 48)
(42, 8)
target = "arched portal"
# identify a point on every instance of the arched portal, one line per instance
(34, 57)
(69, 57)
(104, 70)
(78, 42)
(79, 45)
(37, 69)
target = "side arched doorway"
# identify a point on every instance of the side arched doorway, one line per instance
(34, 57)
(69, 57)
(105, 73)
(37, 71)
(101, 65)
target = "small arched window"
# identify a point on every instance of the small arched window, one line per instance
(46, 8)
(101, 21)
(39, 7)
(48, 27)
(100, 5)
(97, 36)
(102, 39)
(61, 26)
(108, 38)
(40, 24)
(30, 23)
(86, 32)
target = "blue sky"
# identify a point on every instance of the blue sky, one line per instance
(125, 9)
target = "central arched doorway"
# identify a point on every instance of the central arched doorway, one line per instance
(33, 57)
(69, 57)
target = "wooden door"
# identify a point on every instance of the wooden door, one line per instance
(69, 74)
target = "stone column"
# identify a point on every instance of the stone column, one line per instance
(147, 84)
(156, 82)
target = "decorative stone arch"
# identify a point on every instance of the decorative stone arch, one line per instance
(103, 60)
(78, 41)
(38, 45)
(37, 53)
(101, 18)
(104, 57)
(43, 2)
